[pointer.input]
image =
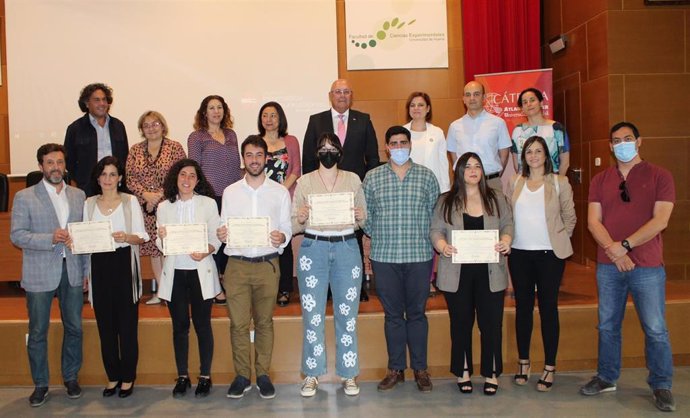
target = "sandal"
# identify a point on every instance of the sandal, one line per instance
(542, 384)
(465, 386)
(521, 377)
(283, 299)
(490, 389)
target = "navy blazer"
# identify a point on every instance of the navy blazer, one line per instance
(361, 149)
(81, 144)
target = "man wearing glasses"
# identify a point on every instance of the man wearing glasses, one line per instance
(356, 134)
(629, 206)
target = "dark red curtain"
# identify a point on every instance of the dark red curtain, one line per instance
(500, 35)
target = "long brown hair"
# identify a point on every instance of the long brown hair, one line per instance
(456, 197)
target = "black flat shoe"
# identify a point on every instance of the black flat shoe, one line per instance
(126, 392)
(283, 299)
(364, 296)
(220, 302)
(180, 389)
(203, 388)
(108, 392)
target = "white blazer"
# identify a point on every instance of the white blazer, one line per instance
(205, 211)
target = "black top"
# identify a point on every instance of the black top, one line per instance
(473, 271)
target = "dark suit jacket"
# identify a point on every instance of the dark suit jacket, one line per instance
(360, 152)
(81, 144)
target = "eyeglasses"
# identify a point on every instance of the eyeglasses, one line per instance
(151, 125)
(342, 92)
(624, 191)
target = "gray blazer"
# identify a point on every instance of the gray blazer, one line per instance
(33, 222)
(448, 277)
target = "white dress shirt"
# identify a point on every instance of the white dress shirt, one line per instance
(270, 199)
(484, 135)
(59, 201)
(335, 118)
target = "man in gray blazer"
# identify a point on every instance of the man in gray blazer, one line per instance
(40, 215)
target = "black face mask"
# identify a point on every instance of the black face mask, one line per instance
(329, 158)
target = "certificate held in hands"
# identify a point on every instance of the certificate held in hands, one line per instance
(248, 232)
(475, 246)
(185, 239)
(331, 209)
(91, 237)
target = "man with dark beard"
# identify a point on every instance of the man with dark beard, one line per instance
(40, 215)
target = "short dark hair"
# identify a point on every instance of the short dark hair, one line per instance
(87, 91)
(624, 124)
(536, 92)
(255, 140)
(397, 130)
(170, 190)
(200, 121)
(329, 138)
(98, 170)
(45, 149)
(548, 164)
(282, 120)
(426, 98)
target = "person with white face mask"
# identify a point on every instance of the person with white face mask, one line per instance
(629, 206)
(400, 197)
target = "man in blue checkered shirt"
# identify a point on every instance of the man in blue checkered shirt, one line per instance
(400, 199)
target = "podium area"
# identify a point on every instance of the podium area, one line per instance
(577, 350)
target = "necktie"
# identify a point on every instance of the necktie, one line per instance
(341, 129)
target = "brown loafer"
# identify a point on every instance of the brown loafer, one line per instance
(393, 377)
(423, 380)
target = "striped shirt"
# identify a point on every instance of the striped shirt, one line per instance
(399, 213)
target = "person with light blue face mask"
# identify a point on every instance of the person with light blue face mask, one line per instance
(630, 204)
(400, 198)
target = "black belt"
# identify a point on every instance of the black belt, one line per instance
(255, 259)
(333, 238)
(493, 176)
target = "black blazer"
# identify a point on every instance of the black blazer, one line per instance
(360, 152)
(81, 144)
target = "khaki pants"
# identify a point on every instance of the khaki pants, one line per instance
(251, 289)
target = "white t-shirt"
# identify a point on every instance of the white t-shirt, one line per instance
(531, 231)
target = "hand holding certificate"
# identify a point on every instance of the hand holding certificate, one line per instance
(185, 239)
(91, 237)
(331, 209)
(475, 246)
(247, 232)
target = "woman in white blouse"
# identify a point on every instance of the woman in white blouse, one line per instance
(191, 279)
(428, 142)
(115, 285)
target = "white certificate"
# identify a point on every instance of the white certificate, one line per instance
(475, 246)
(185, 239)
(331, 209)
(91, 237)
(248, 232)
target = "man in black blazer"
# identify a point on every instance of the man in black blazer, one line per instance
(357, 136)
(94, 136)
(360, 148)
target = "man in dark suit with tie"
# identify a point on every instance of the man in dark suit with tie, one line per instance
(357, 136)
(94, 135)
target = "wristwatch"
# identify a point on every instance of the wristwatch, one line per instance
(626, 245)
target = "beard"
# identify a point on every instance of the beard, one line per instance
(54, 177)
(255, 171)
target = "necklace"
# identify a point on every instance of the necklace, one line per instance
(337, 173)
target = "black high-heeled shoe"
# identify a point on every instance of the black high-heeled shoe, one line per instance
(108, 392)
(126, 392)
(521, 378)
(545, 386)
(465, 386)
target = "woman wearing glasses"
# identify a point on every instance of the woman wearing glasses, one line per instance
(329, 255)
(544, 214)
(148, 163)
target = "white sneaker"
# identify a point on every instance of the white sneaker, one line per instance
(154, 300)
(309, 386)
(350, 387)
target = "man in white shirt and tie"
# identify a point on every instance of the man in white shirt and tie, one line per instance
(481, 132)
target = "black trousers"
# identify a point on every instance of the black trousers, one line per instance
(220, 257)
(186, 292)
(117, 316)
(286, 262)
(545, 270)
(474, 295)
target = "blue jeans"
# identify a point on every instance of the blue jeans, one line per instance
(403, 290)
(38, 304)
(647, 286)
(339, 264)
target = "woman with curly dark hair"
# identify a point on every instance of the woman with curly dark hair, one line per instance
(192, 279)
(115, 282)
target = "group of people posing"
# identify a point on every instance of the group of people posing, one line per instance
(408, 206)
